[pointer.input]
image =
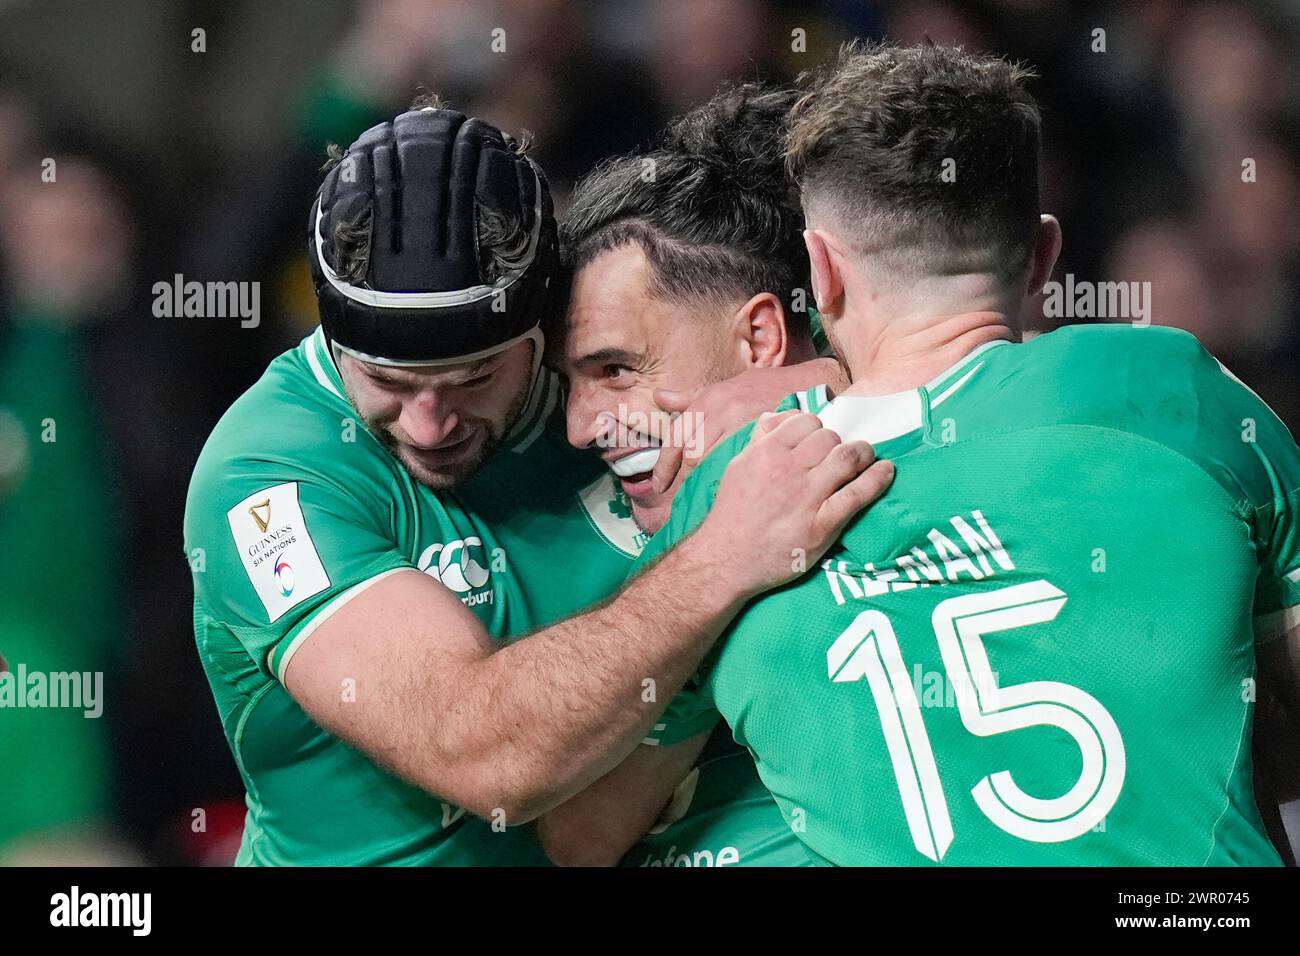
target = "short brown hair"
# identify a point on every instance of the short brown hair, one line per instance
(873, 135)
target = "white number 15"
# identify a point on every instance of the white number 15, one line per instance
(868, 649)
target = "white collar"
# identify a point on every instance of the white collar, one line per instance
(879, 418)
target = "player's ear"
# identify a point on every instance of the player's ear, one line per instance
(827, 275)
(764, 338)
(1047, 246)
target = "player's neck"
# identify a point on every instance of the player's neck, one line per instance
(906, 353)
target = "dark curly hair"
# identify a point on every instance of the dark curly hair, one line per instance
(711, 206)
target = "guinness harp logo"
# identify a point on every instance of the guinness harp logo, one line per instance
(261, 514)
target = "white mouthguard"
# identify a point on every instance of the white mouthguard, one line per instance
(635, 463)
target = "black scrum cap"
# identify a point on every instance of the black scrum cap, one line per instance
(419, 191)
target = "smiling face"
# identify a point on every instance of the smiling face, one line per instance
(441, 421)
(620, 344)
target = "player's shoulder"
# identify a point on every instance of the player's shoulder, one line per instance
(1161, 387)
(1137, 370)
(1112, 348)
(293, 424)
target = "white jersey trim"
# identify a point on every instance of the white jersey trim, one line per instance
(323, 615)
(948, 392)
(549, 385)
(879, 418)
(1228, 372)
(951, 370)
(313, 359)
(812, 399)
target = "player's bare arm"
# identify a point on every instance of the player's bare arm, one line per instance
(600, 824)
(523, 729)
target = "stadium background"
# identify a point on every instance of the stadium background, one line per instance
(171, 160)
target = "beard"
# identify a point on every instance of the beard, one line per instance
(483, 436)
(651, 520)
(444, 477)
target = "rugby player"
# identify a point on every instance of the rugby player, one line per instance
(689, 270)
(393, 502)
(1040, 647)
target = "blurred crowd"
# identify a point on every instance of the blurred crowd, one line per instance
(1172, 157)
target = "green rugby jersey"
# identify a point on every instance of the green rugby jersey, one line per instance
(1039, 647)
(293, 509)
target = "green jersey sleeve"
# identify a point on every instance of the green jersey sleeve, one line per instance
(1216, 421)
(1165, 387)
(1264, 467)
(276, 544)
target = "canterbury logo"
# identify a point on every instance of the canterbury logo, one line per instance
(455, 566)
